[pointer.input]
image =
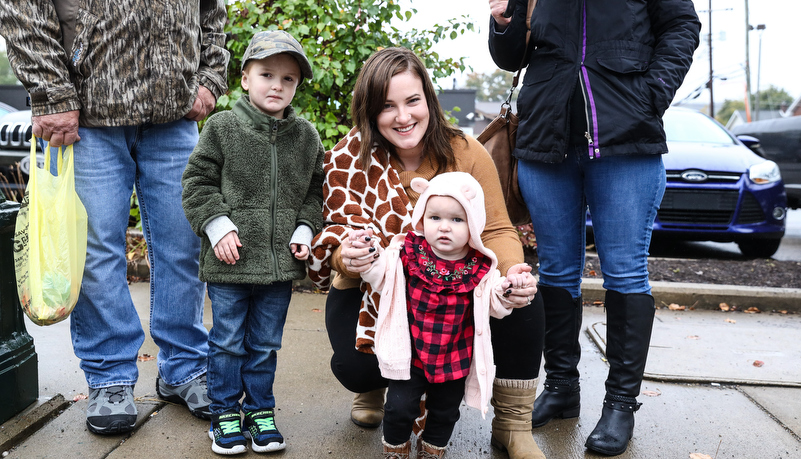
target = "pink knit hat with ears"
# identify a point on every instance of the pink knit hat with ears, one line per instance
(460, 186)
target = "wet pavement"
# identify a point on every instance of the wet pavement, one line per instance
(703, 394)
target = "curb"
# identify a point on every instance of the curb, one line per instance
(709, 296)
(25, 424)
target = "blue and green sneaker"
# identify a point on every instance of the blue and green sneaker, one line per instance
(263, 432)
(226, 434)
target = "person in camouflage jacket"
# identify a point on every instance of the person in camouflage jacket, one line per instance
(126, 82)
(101, 58)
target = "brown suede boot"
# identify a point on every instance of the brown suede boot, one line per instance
(511, 426)
(428, 451)
(396, 451)
(368, 408)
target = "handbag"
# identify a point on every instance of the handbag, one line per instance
(499, 140)
(50, 241)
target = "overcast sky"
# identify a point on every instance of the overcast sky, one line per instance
(780, 65)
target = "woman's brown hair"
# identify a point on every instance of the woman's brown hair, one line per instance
(370, 94)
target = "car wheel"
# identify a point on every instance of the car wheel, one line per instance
(759, 248)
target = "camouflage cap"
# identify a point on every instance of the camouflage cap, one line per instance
(271, 42)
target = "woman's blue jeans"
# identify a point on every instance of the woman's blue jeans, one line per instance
(248, 324)
(106, 329)
(622, 193)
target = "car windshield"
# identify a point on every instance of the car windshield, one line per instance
(687, 126)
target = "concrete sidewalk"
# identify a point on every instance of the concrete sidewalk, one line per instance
(703, 394)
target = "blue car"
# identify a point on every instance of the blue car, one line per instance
(718, 189)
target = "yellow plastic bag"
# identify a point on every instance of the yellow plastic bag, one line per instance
(50, 241)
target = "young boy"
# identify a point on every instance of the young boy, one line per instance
(253, 193)
(439, 284)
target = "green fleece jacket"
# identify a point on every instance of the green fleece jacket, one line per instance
(266, 175)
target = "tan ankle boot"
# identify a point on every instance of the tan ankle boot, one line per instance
(368, 408)
(511, 426)
(429, 451)
(396, 451)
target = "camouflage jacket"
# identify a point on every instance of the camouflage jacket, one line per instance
(120, 62)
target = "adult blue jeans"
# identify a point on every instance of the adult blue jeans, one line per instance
(106, 329)
(622, 193)
(248, 324)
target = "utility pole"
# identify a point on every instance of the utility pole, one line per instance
(747, 67)
(760, 28)
(711, 96)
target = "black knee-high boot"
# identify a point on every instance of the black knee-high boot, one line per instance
(629, 320)
(561, 398)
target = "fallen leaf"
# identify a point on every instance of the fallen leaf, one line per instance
(676, 307)
(676, 270)
(693, 337)
(783, 311)
(80, 397)
(597, 303)
(758, 363)
(145, 357)
(724, 307)
(700, 456)
(592, 273)
(731, 321)
(316, 310)
(752, 310)
(651, 393)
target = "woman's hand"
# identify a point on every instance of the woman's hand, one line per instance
(359, 250)
(497, 8)
(521, 286)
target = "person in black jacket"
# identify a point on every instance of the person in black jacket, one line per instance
(599, 77)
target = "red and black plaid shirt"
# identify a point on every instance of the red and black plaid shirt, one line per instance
(439, 296)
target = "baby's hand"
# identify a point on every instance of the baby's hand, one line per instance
(519, 288)
(226, 249)
(360, 239)
(301, 251)
(520, 280)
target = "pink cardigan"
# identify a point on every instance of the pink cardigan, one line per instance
(392, 344)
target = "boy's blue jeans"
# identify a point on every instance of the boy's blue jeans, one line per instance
(623, 194)
(106, 329)
(248, 324)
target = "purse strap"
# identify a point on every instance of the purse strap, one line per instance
(506, 106)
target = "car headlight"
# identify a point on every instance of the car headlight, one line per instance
(764, 173)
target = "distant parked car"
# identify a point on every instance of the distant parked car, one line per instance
(5, 108)
(15, 151)
(779, 141)
(717, 189)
